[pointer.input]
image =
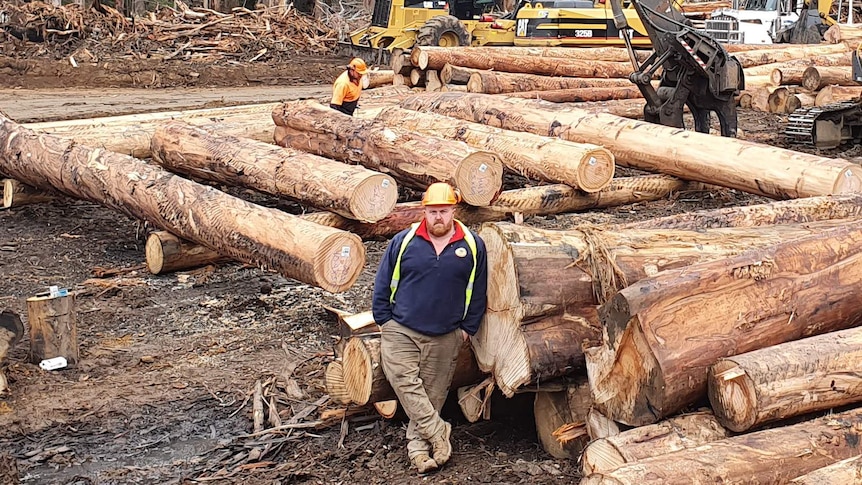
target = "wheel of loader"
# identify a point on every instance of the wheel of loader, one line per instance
(444, 31)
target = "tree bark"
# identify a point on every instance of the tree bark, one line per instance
(817, 77)
(581, 166)
(450, 74)
(424, 55)
(425, 58)
(545, 285)
(363, 372)
(310, 253)
(786, 53)
(496, 82)
(787, 380)
(657, 343)
(415, 160)
(845, 471)
(554, 409)
(771, 456)
(351, 191)
(581, 95)
(16, 194)
(835, 94)
(795, 211)
(659, 148)
(167, 253)
(675, 434)
(53, 328)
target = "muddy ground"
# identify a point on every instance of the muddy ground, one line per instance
(161, 394)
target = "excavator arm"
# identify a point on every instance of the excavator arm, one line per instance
(696, 71)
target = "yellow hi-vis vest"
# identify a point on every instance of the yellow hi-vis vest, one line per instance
(396, 273)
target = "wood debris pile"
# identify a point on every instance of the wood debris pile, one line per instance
(196, 34)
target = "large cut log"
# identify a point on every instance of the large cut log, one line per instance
(377, 78)
(351, 191)
(53, 323)
(365, 381)
(581, 95)
(436, 59)
(313, 254)
(845, 471)
(786, 53)
(809, 209)
(553, 409)
(779, 173)
(840, 59)
(787, 380)
(131, 134)
(16, 194)
(545, 285)
(422, 56)
(771, 456)
(836, 94)
(818, 77)
(432, 81)
(416, 160)
(675, 434)
(661, 334)
(450, 74)
(494, 82)
(787, 75)
(166, 253)
(582, 166)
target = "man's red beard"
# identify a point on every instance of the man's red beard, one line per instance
(440, 229)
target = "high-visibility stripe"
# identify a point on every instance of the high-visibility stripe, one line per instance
(396, 273)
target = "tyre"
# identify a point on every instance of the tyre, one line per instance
(444, 31)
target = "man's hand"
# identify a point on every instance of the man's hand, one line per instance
(465, 335)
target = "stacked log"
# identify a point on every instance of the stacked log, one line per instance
(428, 57)
(678, 433)
(494, 82)
(553, 409)
(414, 160)
(377, 78)
(659, 148)
(581, 95)
(657, 342)
(545, 287)
(844, 471)
(317, 255)
(771, 456)
(16, 194)
(350, 191)
(765, 385)
(582, 166)
(836, 94)
(760, 57)
(817, 77)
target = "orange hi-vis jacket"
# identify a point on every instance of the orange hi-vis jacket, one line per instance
(345, 94)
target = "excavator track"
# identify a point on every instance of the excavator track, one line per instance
(802, 124)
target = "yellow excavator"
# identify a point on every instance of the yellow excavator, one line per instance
(404, 23)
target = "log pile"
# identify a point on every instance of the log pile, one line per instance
(182, 33)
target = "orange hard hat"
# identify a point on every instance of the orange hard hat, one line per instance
(441, 193)
(359, 65)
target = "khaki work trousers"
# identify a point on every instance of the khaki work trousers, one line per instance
(419, 367)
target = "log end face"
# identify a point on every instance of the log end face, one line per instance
(387, 409)
(338, 261)
(334, 381)
(732, 395)
(154, 254)
(374, 198)
(596, 170)
(8, 192)
(849, 180)
(357, 370)
(601, 456)
(479, 177)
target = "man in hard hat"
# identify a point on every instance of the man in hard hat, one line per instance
(429, 296)
(348, 87)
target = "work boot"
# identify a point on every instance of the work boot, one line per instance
(424, 463)
(441, 445)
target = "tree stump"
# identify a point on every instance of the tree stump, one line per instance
(53, 328)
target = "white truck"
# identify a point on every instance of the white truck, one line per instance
(752, 21)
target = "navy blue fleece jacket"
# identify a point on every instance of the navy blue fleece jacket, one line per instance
(432, 289)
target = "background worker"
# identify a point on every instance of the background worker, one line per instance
(429, 296)
(348, 87)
